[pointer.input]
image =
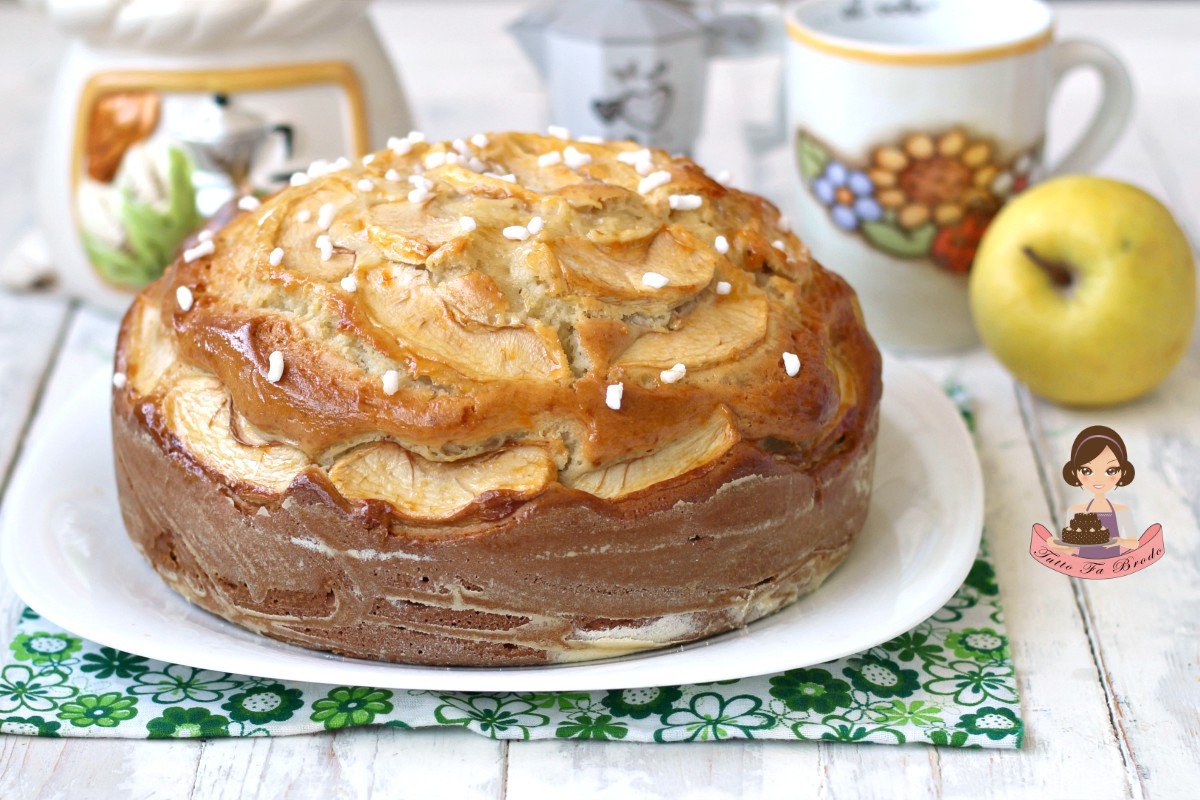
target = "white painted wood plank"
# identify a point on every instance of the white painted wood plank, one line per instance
(1143, 627)
(874, 772)
(87, 348)
(358, 764)
(29, 331)
(61, 769)
(30, 50)
(679, 772)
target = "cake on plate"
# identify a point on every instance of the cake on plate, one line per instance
(507, 400)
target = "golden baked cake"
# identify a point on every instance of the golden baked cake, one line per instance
(508, 400)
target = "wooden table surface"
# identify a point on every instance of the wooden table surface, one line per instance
(1109, 671)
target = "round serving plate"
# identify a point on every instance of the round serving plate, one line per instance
(66, 554)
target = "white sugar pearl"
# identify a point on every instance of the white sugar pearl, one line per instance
(724, 287)
(391, 382)
(275, 366)
(575, 158)
(479, 140)
(791, 363)
(558, 132)
(325, 246)
(350, 283)
(653, 181)
(724, 177)
(276, 257)
(778, 245)
(249, 203)
(592, 139)
(392, 175)
(299, 179)
(416, 137)
(325, 216)
(516, 232)
(368, 159)
(535, 225)
(204, 236)
(460, 147)
(399, 146)
(365, 185)
(183, 296)
(549, 159)
(613, 394)
(654, 280)
(418, 195)
(673, 374)
(435, 159)
(467, 224)
(119, 380)
(685, 202)
(304, 215)
(205, 248)
(721, 245)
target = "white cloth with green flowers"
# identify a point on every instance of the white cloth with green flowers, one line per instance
(949, 681)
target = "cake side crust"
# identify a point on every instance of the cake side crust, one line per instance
(564, 577)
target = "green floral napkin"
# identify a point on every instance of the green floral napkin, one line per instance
(949, 681)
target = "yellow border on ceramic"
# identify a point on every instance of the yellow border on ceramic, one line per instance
(848, 49)
(213, 81)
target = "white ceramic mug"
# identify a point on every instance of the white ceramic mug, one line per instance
(912, 122)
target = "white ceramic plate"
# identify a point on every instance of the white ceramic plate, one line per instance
(68, 557)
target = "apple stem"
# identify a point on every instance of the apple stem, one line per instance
(1060, 273)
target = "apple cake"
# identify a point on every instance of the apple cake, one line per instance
(507, 400)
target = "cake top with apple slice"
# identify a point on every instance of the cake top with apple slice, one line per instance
(494, 315)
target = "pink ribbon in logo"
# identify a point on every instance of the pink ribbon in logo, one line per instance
(1150, 548)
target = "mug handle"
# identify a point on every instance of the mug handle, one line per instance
(1113, 111)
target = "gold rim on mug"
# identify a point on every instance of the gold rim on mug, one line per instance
(849, 48)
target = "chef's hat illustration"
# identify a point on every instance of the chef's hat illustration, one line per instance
(196, 24)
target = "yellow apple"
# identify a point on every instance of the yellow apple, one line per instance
(1085, 289)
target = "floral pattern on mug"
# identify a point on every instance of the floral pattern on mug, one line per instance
(925, 196)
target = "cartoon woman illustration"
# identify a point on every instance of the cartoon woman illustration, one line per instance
(1098, 465)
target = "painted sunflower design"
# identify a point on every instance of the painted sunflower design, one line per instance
(939, 179)
(924, 196)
